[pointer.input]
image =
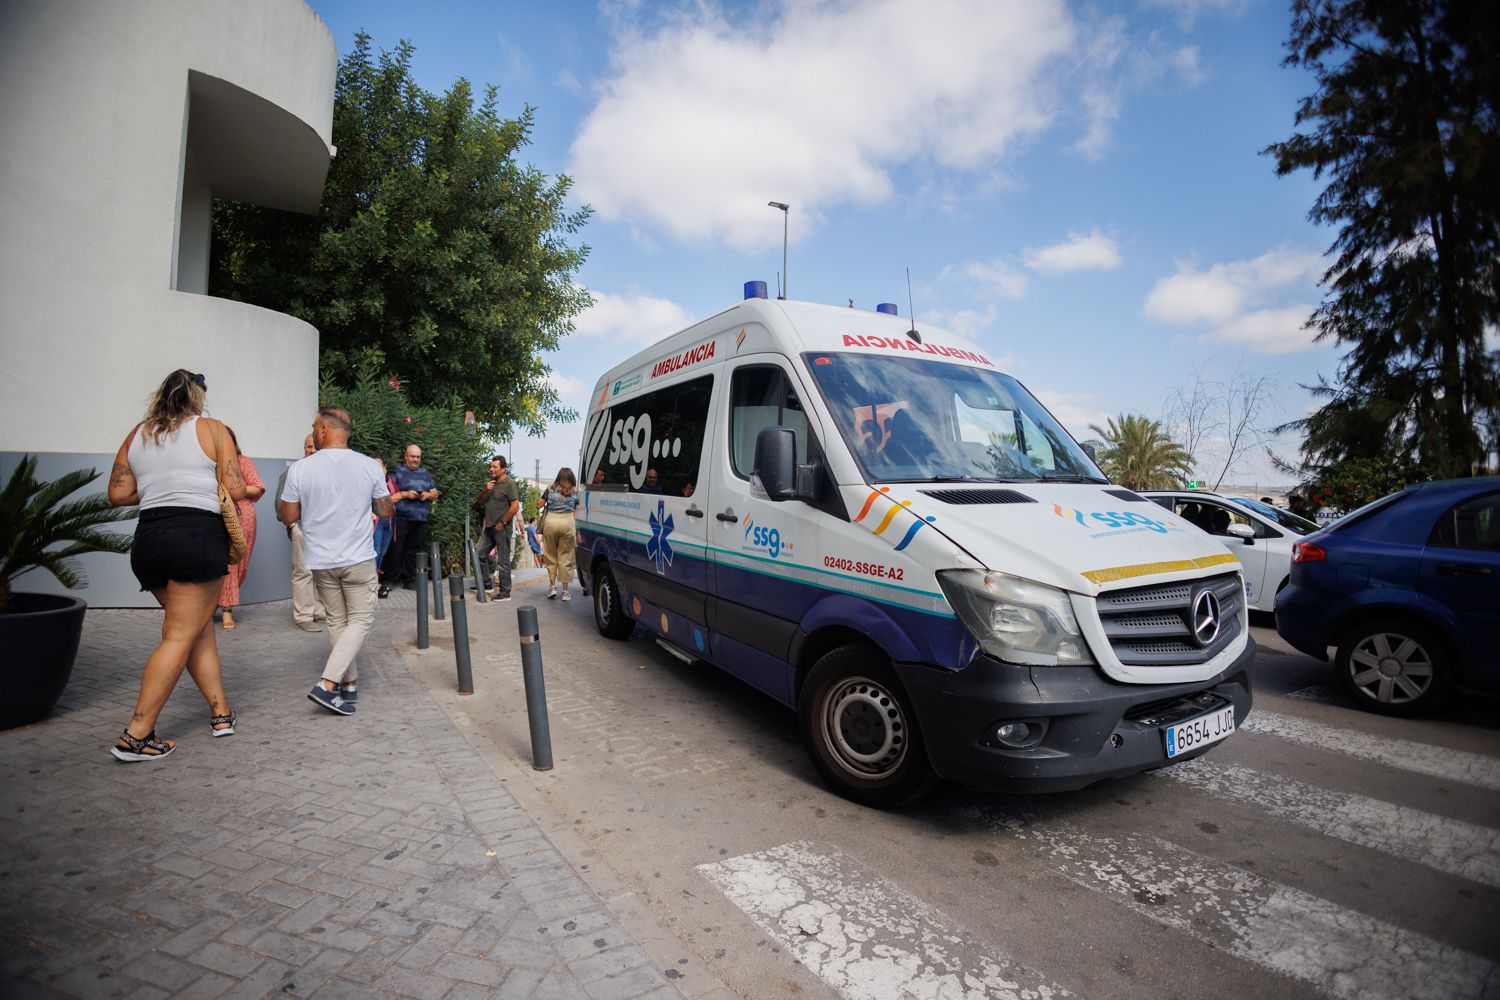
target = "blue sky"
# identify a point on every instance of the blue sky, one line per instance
(1075, 187)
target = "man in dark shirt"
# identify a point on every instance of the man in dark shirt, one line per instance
(501, 500)
(415, 491)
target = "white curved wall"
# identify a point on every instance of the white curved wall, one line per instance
(104, 229)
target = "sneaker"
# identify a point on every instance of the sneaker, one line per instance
(383, 592)
(349, 693)
(501, 595)
(330, 700)
(308, 626)
(552, 593)
(567, 596)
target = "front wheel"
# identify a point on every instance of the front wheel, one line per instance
(609, 610)
(1394, 667)
(860, 730)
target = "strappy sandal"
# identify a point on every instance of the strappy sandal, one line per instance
(227, 721)
(138, 748)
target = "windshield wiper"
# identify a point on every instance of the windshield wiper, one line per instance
(1072, 479)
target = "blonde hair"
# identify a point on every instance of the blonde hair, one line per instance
(178, 397)
(565, 482)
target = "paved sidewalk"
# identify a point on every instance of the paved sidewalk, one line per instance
(309, 855)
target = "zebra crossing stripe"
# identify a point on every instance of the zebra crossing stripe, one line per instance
(1465, 849)
(861, 934)
(1420, 758)
(1341, 952)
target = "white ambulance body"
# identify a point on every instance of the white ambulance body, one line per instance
(881, 530)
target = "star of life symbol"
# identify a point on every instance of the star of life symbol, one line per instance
(658, 547)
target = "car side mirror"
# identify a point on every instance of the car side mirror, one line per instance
(1243, 532)
(1089, 450)
(777, 476)
(776, 462)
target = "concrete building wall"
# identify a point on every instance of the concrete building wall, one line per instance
(119, 123)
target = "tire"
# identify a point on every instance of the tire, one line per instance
(860, 731)
(1395, 667)
(609, 610)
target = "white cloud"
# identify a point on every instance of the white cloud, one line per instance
(997, 278)
(1226, 291)
(568, 388)
(1093, 251)
(703, 122)
(968, 324)
(642, 319)
(1269, 331)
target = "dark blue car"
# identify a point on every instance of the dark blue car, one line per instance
(1408, 589)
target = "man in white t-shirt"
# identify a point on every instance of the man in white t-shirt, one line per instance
(329, 493)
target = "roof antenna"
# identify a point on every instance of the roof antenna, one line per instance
(785, 214)
(912, 333)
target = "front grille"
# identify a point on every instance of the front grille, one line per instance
(1151, 626)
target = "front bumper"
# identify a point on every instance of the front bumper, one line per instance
(1095, 728)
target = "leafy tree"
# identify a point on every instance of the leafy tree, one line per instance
(1404, 124)
(436, 254)
(386, 421)
(1357, 481)
(1139, 455)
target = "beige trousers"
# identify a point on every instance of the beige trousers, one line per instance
(558, 538)
(348, 596)
(305, 607)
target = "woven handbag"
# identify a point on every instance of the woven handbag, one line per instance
(238, 547)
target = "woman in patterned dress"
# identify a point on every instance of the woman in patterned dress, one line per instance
(229, 596)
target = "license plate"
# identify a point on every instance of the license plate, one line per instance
(1199, 732)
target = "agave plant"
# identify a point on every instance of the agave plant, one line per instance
(39, 531)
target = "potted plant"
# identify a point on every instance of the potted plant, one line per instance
(40, 528)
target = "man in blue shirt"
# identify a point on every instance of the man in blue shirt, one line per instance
(415, 491)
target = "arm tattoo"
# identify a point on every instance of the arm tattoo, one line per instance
(121, 475)
(232, 476)
(384, 507)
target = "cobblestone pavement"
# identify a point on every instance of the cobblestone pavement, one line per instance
(309, 855)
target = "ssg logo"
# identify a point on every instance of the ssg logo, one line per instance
(767, 540)
(1109, 519)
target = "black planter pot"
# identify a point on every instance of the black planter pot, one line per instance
(40, 637)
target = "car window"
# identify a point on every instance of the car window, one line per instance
(1162, 502)
(762, 396)
(1473, 524)
(1294, 523)
(1214, 518)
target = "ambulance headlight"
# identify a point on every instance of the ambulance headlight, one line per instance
(1016, 620)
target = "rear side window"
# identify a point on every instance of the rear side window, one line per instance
(652, 443)
(762, 396)
(1473, 524)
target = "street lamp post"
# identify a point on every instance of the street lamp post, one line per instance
(784, 214)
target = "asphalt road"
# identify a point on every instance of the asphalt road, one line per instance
(1320, 851)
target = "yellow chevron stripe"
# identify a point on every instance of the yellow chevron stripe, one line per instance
(1116, 573)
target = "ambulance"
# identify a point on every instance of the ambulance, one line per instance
(877, 527)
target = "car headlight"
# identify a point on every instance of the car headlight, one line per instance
(1016, 620)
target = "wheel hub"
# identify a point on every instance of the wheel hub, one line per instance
(865, 728)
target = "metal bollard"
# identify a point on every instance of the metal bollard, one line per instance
(483, 597)
(422, 642)
(437, 582)
(468, 548)
(460, 634)
(536, 689)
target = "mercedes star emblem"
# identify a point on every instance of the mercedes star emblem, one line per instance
(1205, 618)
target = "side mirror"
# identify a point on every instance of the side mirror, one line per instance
(776, 462)
(1242, 531)
(1089, 450)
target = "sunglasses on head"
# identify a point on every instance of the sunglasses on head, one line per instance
(200, 379)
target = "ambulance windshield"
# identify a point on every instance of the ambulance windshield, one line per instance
(913, 420)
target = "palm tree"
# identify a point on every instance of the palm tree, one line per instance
(1139, 455)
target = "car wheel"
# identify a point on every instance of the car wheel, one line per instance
(609, 610)
(860, 730)
(1394, 667)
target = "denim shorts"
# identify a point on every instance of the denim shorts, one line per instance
(179, 543)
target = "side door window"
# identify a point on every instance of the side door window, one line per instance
(1473, 524)
(761, 397)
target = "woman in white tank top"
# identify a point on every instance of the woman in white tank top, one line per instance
(171, 465)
